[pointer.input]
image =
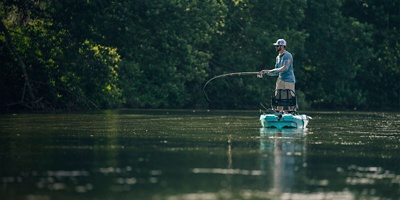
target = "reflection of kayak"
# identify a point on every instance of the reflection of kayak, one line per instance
(287, 116)
(280, 120)
(290, 133)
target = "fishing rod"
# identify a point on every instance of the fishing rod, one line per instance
(230, 74)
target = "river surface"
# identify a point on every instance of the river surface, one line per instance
(185, 154)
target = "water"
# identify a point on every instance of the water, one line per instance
(182, 154)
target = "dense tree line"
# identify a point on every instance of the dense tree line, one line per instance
(158, 54)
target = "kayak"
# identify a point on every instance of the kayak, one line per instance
(282, 120)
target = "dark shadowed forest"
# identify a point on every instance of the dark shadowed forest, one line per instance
(105, 54)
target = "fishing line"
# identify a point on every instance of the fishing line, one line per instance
(223, 75)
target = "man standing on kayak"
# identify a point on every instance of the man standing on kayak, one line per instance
(283, 69)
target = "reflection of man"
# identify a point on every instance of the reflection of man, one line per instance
(283, 68)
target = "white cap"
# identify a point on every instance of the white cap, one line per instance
(280, 42)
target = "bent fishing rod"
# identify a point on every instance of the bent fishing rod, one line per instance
(229, 74)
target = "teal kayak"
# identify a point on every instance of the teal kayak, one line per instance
(281, 120)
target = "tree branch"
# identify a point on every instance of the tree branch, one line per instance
(13, 49)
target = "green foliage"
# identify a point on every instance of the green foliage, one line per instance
(66, 71)
(159, 54)
(378, 77)
(167, 43)
(338, 48)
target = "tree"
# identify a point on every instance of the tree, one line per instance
(378, 76)
(165, 48)
(69, 68)
(337, 47)
(22, 14)
(159, 54)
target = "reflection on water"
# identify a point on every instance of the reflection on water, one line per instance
(284, 153)
(197, 155)
(284, 158)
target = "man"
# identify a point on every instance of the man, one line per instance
(283, 68)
